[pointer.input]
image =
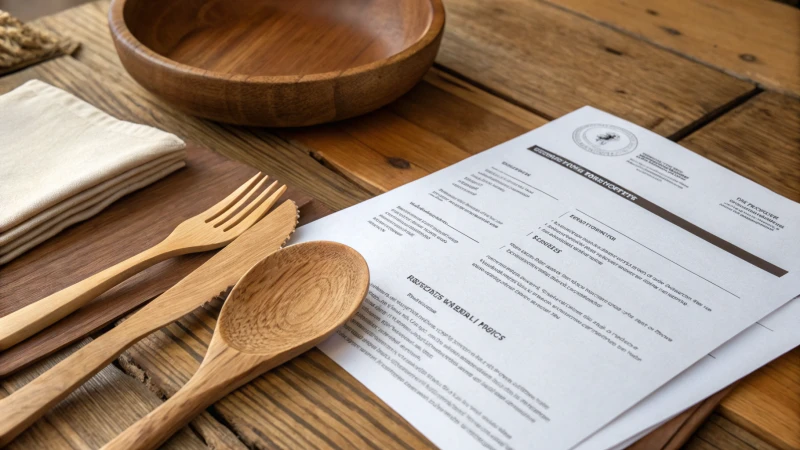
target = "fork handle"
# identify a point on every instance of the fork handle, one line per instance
(25, 322)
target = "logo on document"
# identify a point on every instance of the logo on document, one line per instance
(605, 140)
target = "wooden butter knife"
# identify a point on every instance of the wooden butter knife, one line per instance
(19, 410)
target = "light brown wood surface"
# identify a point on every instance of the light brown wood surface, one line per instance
(392, 147)
(209, 230)
(283, 306)
(310, 401)
(552, 62)
(276, 63)
(21, 409)
(754, 40)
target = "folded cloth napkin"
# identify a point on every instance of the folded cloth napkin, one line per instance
(62, 161)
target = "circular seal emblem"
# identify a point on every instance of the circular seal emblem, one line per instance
(605, 140)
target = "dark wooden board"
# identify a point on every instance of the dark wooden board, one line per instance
(128, 226)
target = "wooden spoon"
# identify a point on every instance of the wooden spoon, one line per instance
(283, 306)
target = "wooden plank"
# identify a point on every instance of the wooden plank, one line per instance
(720, 434)
(95, 413)
(754, 40)
(761, 140)
(553, 62)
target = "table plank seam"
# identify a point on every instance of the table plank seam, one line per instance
(714, 115)
(215, 415)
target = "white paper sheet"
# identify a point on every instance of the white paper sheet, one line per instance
(523, 299)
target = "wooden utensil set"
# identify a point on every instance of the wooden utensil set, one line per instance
(319, 285)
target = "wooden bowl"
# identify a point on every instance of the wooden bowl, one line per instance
(279, 63)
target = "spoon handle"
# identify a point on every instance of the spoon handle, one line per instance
(222, 371)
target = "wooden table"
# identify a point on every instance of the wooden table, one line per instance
(722, 77)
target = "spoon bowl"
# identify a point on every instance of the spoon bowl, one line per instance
(321, 286)
(282, 307)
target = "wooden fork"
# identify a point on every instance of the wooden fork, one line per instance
(211, 229)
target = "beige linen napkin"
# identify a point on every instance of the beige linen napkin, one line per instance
(62, 161)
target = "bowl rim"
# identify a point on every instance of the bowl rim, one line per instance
(121, 33)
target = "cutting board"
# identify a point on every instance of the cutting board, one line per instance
(140, 220)
(130, 225)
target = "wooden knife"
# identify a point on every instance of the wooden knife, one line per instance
(19, 410)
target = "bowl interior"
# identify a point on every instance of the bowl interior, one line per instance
(277, 37)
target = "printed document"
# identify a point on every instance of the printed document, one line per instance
(529, 295)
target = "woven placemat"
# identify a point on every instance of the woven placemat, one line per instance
(22, 45)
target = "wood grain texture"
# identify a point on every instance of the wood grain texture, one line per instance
(553, 62)
(750, 39)
(282, 307)
(273, 63)
(440, 122)
(461, 114)
(718, 433)
(93, 414)
(767, 403)
(209, 230)
(442, 105)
